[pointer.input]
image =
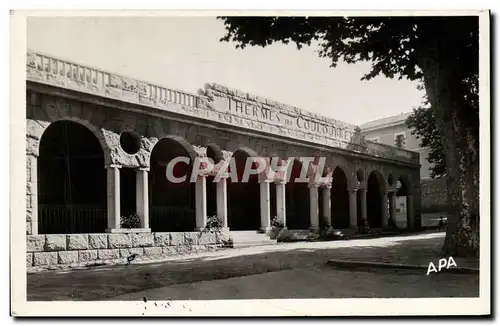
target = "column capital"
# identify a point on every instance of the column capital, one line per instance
(352, 189)
(224, 176)
(143, 169)
(113, 166)
(32, 154)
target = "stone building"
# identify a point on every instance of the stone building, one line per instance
(97, 145)
(394, 131)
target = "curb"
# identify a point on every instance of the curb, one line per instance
(351, 264)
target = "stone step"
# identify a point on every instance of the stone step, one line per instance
(250, 239)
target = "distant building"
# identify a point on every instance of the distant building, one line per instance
(395, 132)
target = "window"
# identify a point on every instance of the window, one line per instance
(400, 140)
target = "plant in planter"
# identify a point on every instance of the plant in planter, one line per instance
(132, 221)
(276, 227)
(214, 226)
(365, 227)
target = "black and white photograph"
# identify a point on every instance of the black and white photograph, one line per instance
(246, 163)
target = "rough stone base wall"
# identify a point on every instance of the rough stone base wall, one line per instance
(87, 249)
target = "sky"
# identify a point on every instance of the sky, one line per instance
(185, 53)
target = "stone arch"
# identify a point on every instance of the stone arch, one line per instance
(36, 129)
(381, 180)
(339, 197)
(243, 195)
(248, 151)
(172, 202)
(182, 142)
(71, 180)
(406, 183)
(297, 197)
(402, 190)
(375, 186)
(214, 152)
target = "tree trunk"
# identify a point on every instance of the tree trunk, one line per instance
(446, 98)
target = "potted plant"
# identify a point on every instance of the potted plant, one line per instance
(276, 227)
(132, 221)
(214, 226)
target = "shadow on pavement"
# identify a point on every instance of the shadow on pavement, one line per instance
(111, 281)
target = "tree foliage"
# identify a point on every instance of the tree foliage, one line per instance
(392, 44)
(441, 52)
(423, 125)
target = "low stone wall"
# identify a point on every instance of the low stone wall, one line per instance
(87, 249)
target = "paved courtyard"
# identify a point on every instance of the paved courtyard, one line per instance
(292, 270)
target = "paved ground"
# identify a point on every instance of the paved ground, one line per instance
(293, 270)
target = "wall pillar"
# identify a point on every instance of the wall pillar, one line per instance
(222, 201)
(353, 209)
(327, 206)
(410, 212)
(32, 195)
(142, 198)
(201, 203)
(113, 191)
(314, 208)
(281, 202)
(364, 212)
(385, 211)
(265, 206)
(392, 199)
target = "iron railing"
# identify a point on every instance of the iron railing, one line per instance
(172, 219)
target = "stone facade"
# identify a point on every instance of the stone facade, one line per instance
(108, 104)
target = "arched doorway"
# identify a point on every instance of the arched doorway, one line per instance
(243, 195)
(172, 203)
(401, 209)
(360, 178)
(71, 181)
(339, 200)
(374, 195)
(297, 199)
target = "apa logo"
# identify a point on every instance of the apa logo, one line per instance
(443, 262)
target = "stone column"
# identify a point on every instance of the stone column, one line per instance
(265, 206)
(313, 208)
(113, 190)
(201, 203)
(327, 206)
(222, 201)
(281, 202)
(31, 194)
(364, 215)
(385, 211)
(353, 209)
(410, 212)
(392, 198)
(142, 198)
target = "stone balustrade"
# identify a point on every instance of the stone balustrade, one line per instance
(298, 124)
